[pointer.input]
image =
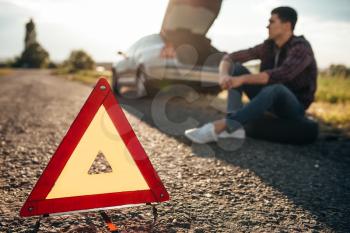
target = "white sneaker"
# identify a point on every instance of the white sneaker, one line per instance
(202, 135)
(239, 134)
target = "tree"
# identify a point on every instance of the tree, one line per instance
(79, 60)
(34, 55)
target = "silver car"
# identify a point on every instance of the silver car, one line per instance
(180, 53)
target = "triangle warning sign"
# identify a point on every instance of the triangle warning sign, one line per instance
(99, 164)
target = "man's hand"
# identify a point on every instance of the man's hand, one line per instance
(236, 82)
(224, 81)
(228, 82)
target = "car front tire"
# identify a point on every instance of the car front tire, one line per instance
(115, 85)
(144, 86)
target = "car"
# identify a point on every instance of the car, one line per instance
(179, 53)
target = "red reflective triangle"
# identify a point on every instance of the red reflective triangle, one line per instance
(38, 203)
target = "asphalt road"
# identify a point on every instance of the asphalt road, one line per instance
(230, 186)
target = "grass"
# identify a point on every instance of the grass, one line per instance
(335, 114)
(84, 76)
(5, 71)
(332, 105)
(333, 89)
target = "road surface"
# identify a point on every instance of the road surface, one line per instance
(232, 186)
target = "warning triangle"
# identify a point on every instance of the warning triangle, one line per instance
(99, 164)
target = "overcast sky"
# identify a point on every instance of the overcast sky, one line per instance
(101, 27)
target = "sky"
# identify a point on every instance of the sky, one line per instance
(102, 27)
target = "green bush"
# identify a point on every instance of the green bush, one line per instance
(78, 60)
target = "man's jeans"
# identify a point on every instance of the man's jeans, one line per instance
(275, 98)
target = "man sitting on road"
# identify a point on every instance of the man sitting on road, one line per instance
(284, 87)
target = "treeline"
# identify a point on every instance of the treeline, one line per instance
(337, 71)
(35, 56)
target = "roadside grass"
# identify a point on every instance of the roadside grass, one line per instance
(5, 71)
(334, 114)
(333, 89)
(331, 106)
(84, 76)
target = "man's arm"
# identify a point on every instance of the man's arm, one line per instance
(245, 55)
(297, 60)
(239, 56)
(259, 79)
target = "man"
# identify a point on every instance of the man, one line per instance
(284, 87)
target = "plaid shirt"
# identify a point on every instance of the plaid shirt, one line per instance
(293, 65)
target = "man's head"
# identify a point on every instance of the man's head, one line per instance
(282, 22)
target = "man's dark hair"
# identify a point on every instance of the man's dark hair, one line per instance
(286, 14)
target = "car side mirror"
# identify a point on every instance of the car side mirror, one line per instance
(121, 53)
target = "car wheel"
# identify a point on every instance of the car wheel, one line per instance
(144, 87)
(129, 91)
(116, 87)
(140, 88)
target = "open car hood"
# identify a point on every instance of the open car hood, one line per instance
(191, 16)
(186, 22)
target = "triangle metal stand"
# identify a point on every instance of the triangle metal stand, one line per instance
(107, 220)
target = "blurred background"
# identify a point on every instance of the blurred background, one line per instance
(95, 30)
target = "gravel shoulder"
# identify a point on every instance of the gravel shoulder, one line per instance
(230, 186)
